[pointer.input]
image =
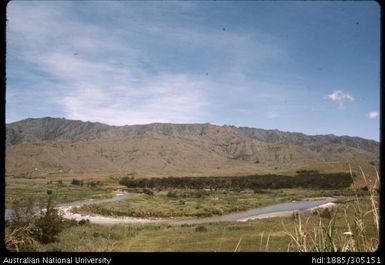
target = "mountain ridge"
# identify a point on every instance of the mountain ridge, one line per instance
(69, 145)
(102, 126)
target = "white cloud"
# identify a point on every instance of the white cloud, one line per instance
(106, 92)
(340, 97)
(373, 114)
(167, 98)
(100, 73)
(94, 83)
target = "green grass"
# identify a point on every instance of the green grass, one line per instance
(214, 237)
(259, 235)
(34, 186)
(35, 189)
(355, 213)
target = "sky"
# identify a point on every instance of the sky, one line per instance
(310, 67)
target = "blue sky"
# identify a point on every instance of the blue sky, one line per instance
(310, 67)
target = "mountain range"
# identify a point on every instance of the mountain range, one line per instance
(60, 145)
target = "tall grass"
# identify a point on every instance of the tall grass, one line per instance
(350, 228)
(20, 238)
(29, 227)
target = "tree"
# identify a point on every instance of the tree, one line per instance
(49, 223)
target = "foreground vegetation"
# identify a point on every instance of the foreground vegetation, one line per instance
(360, 231)
(353, 225)
(29, 228)
(274, 234)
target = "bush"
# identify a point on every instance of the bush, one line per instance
(94, 184)
(27, 226)
(77, 182)
(201, 228)
(84, 221)
(49, 224)
(148, 192)
(307, 172)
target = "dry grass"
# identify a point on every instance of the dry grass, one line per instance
(356, 229)
(20, 237)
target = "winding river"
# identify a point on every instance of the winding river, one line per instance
(281, 209)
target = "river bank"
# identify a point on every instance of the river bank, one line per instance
(282, 209)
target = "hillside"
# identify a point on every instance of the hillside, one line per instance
(60, 145)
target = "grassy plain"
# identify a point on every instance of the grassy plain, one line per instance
(27, 187)
(274, 234)
(34, 186)
(271, 234)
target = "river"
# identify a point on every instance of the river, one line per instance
(281, 209)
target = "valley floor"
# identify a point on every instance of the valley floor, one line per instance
(353, 221)
(273, 234)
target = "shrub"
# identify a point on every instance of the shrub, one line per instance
(84, 221)
(201, 228)
(148, 192)
(307, 172)
(49, 224)
(77, 182)
(27, 226)
(93, 184)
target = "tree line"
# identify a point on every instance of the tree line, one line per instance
(270, 181)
